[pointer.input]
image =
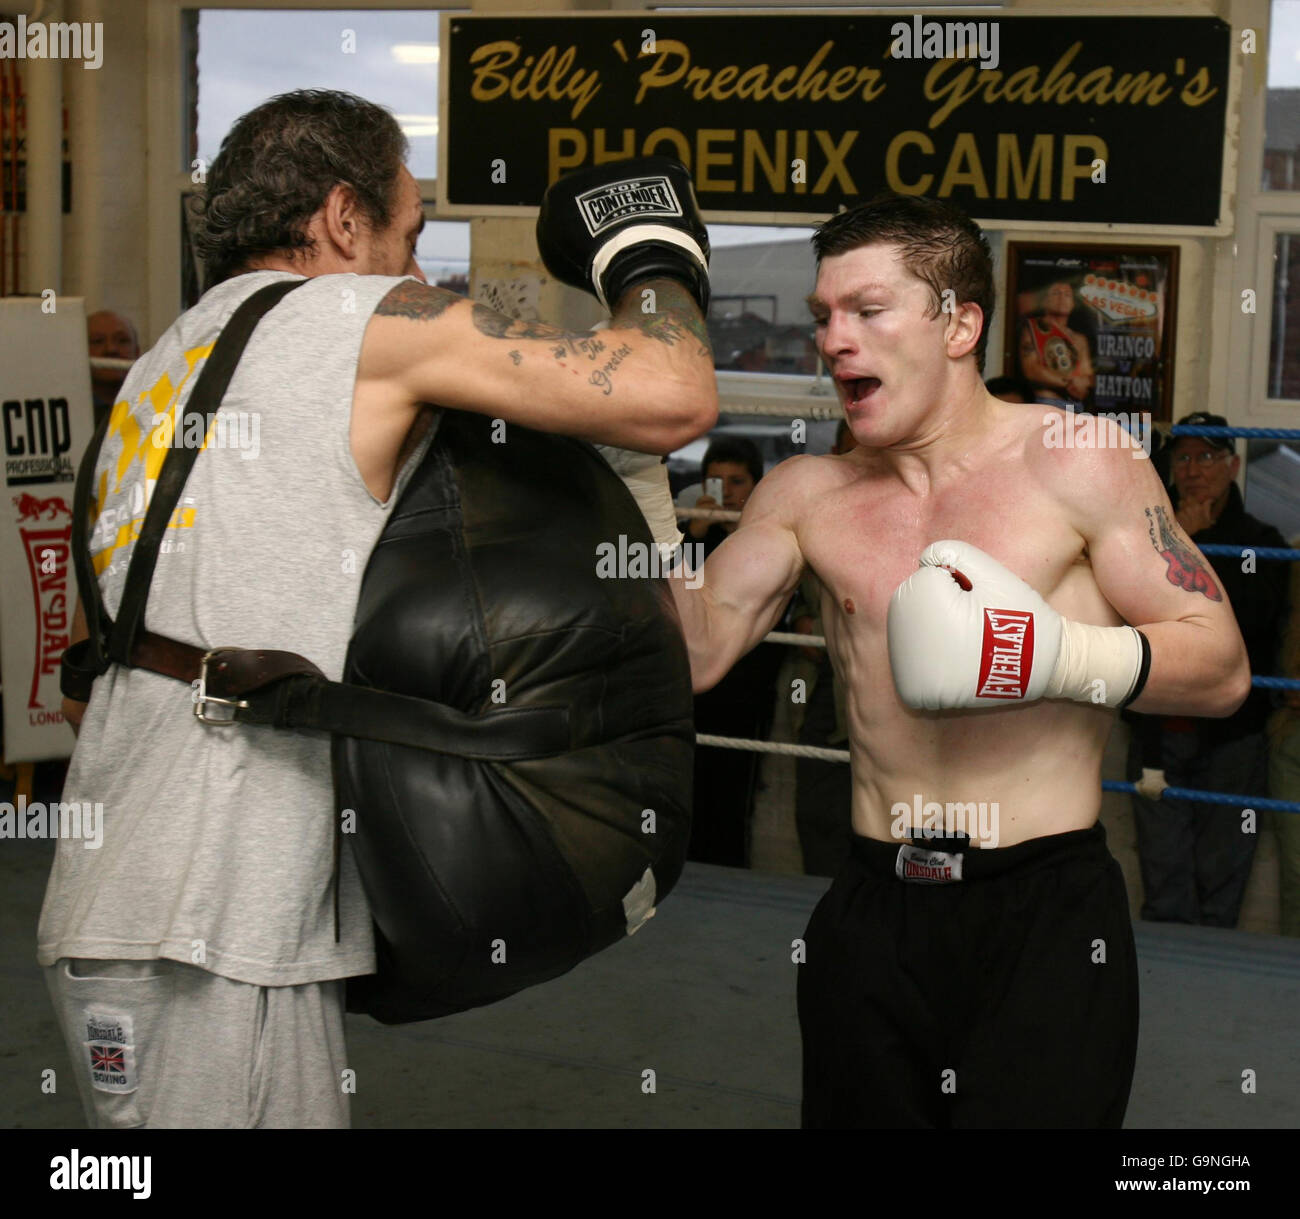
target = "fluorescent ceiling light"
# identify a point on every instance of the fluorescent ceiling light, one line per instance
(415, 52)
(417, 124)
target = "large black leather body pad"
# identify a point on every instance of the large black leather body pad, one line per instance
(487, 573)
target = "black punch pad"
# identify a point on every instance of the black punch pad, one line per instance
(485, 877)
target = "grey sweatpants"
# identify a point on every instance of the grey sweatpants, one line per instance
(167, 1045)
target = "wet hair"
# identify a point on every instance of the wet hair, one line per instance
(733, 449)
(277, 165)
(939, 244)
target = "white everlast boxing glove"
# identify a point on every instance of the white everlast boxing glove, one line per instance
(966, 632)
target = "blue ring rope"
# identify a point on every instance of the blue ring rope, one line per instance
(1188, 793)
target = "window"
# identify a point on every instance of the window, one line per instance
(1283, 375)
(443, 254)
(1282, 113)
(238, 58)
(244, 56)
(758, 321)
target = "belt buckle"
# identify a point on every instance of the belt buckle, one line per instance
(202, 699)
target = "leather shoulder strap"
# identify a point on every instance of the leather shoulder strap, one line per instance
(205, 400)
(91, 600)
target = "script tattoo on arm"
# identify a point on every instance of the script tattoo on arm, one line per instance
(419, 302)
(1185, 568)
(574, 350)
(594, 355)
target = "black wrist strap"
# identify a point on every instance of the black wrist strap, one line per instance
(1144, 671)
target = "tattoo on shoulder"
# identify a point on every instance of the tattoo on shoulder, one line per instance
(420, 302)
(1186, 569)
(498, 326)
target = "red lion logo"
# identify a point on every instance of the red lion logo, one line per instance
(32, 509)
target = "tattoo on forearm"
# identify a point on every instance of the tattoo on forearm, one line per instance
(419, 302)
(590, 355)
(1186, 569)
(600, 377)
(676, 318)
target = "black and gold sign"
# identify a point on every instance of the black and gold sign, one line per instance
(1070, 119)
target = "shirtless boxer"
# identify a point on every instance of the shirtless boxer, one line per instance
(1004, 991)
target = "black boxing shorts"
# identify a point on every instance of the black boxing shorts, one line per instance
(991, 988)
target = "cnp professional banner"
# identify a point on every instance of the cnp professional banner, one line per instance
(1062, 119)
(45, 420)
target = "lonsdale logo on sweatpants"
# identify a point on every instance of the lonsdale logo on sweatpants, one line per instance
(1008, 654)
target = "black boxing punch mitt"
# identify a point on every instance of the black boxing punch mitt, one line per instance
(608, 227)
(487, 593)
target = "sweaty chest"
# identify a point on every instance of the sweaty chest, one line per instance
(867, 541)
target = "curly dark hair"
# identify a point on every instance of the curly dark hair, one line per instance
(278, 163)
(940, 244)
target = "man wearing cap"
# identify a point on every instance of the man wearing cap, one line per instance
(1196, 857)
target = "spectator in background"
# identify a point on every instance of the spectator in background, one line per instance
(738, 463)
(1195, 857)
(823, 790)
(1010, 389)
(1284, 765)
(741, 705)
(111, 336)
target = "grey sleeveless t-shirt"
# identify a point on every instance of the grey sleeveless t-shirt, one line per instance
(218, 843)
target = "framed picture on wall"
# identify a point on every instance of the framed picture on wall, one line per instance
(1092, 326)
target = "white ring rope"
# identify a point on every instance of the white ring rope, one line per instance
(825, 407)
(706, 514)
(797, 751)
(793, 637)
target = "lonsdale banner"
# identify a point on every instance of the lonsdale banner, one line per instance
(45, 421)
(786, 117)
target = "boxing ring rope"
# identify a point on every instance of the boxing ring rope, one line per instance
(783, 747)
(1230, 433)
(1275, 553)
(1281, 554)
(1188, 793)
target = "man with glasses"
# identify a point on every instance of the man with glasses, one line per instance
(1196, 857)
